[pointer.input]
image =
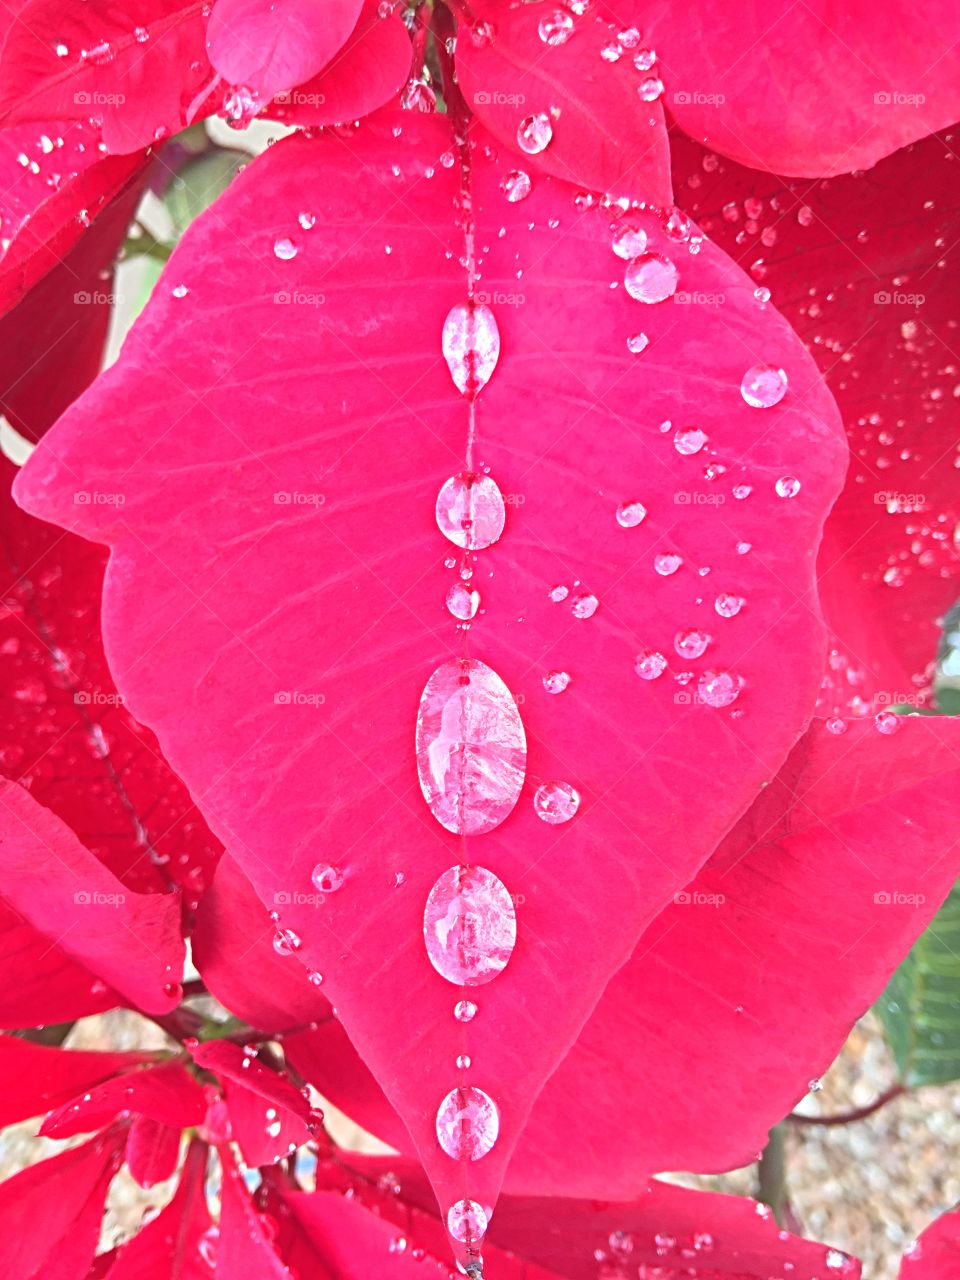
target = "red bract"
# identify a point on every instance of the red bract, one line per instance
(152, 1151)
(936, 1254)
(180, 1243)
(320, 616)
(36, 1078)
(166, 1093)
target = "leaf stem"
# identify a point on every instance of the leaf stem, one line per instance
(858, 1113)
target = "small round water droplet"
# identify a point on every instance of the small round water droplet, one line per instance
(611, 52)
(516, 185)
(558, 593)
(887, 721)
(314, 977)
(464, 1011)
(629, 241)
(467, 1221)
(180, 291)
(556, 681)
(741, 491)
(463, 1062)
(787, 486)
(463, 601)
(728, 606)
(718, 688)
(651, 278)
(666, 563)
(307, 220)
(804, 215)
(468, 1123)
(469, 926)
(836, 725)
(471, 510)
(630, 514)
(688, 440)
(651, 88)
(534, 133)
(556, 802)
(650, 664)
(691, 644)
(637, 342)
(644, 59)
(284, 249)
(763, 386)
(556, 27)
(326, 878)
(584, 606)
(286, 942)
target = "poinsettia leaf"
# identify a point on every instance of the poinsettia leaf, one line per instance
(68, 737)
(935, 1255)
(139, 71)
(36, 1078)
(366, 73)
(268, 46)
(42, 984)
(132, 941)
(331, 687)
(166, 1093)
(52, 1211)
(855, 95)
(152, 1151)
(180, 1243)
(590, 124)
(888, 567)
(246, 1246)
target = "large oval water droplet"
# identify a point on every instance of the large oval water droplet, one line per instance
(468, 1123)
(763, 386)
(651, 278)
(534, 133)
(471, 747)
(467, 1221)
(471, 346)
(469, 926)
(471, 511)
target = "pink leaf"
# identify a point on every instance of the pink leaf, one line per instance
(166, 1093)
(269, 46)
(332, 564)
(130, 940)
(152, 1152)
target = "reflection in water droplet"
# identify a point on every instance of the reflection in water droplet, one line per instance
(467, 1221)
(787, 486)
(468, 1123)
(667, 562)
(644, 59)
(469, 926)
(463, 601)
(718, 688)
(728, 606)
(534, 133)
(556, 802)
(689, 440)
(516, 185)
(556, 27)
(556, 681)
(651, 278)
(285, 249)
(887, 721)
(471, 346)
(464, 1011)
(691, 644)
(763, 386)
(629, 241)
(651, 88)
(471, 747)
(650, 664)
(463, 1062)
(637, 342)
(558, 593)
(836, 725)
(471, 510)
(325, 878)
(584, 606)
(630, 514)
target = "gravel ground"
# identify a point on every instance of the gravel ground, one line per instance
(867, 1188)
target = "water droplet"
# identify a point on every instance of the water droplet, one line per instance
(314, 977)
(718, 688)
(651, 278)
(534, 133)
(651, 88)
(804, 215)
(741, 491)
(463, 1062)
(273, 1129)
(286, 942)
(728, 606)
(637, 342)
(836, 725)
(667, 562)
(469, 926)
(787, 486)
(284, 249)
(763, 386)
(584, 606)
(471, 510)
(467, 1221)
(556, 27)
(463, 601)
(464, 1011)
(691, 644)
(471, 747)
(307, 220)
(471, 346)
(325, 878)
(644, 59)
(516, 185)
(630, 514)
(180, 291)
(468, 1123)
(556, 802)
(887, 721)
(629, 241)
(611, 52)
(556, 681)
(688, 440)
(650, 664)
(558, 593)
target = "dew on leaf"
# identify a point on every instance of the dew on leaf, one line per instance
(718, 688)
(650, 664)
(468, 1123)
(462, 601)
(787, 487)
(630, 514)
(467, 1221)
(469, 926)
(464, 1011)
(555, 27)
(326, 878)
(651, 278)
(471, 511)
(763, 386)
(689, 440)
(667, 563)
(516, 185)
(534, 133)
(556, 681)
(556, 802)
(629, 241)
(471, 346)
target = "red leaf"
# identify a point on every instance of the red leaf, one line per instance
(245, 1249)
(42, 984)
(269, 1117)
(855, 95)
(180, 1243)
(35, 1078)
(68, 738)
(51, 1212)
(367, 72)
(167, 1094)
(153, 1151)
(889, 567)
(269, 46)
(936, 1254)
(602, 135)
(131, 940)
(569, 423)
(139, 69)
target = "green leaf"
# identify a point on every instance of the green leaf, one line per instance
(920, 1009)
(199, 183)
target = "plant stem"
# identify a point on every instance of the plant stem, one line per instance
(848, 1117)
